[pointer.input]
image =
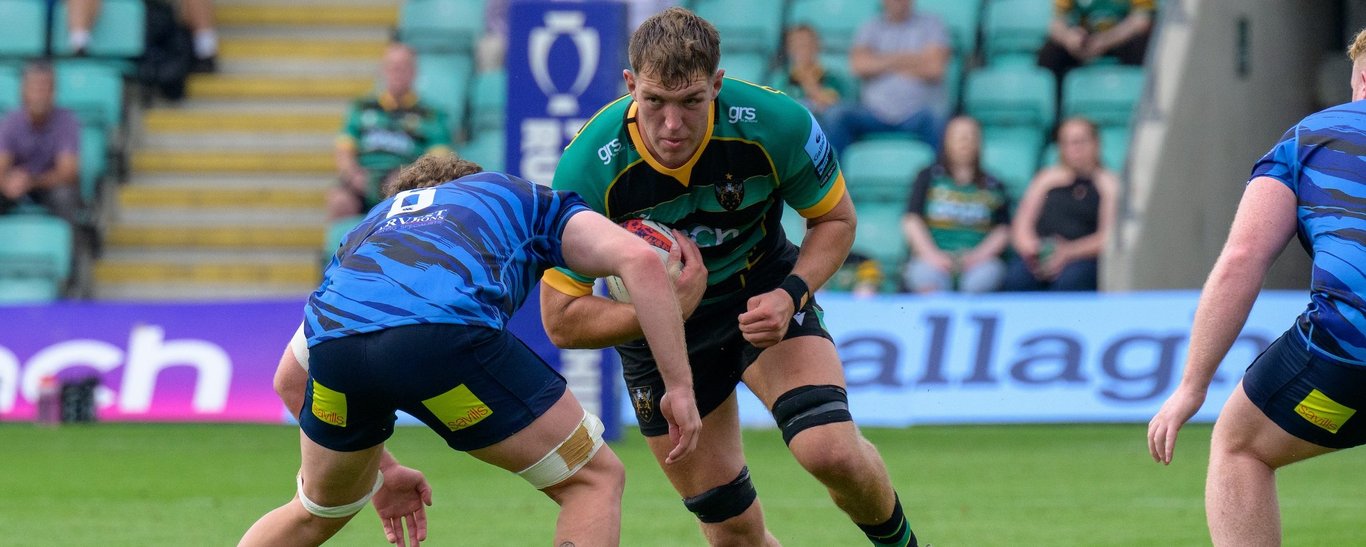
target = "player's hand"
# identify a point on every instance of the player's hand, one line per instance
(679, 408)
(401, 501)
(765, 322)
(1167, 423)
(692, 281)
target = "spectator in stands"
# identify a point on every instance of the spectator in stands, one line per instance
(957, 219)
(40, 150)
(382, 133)
(1064, 217)
(900, 58)
(1083, 30)
(197, 14)
(807, 80)
(491, 51)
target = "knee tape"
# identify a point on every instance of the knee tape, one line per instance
(809, 406)
(723, 502)
(568, 457)
(340, 511)
(299, 346)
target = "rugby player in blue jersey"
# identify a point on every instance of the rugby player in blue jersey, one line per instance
(411, 316)
(1299, 398)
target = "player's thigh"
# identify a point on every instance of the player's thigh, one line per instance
(793, 363)
(334, 478)
(1242, 428)
(716, 461)
(527, 446)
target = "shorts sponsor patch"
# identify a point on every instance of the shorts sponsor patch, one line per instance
(821, 153)
(329, 405)
(458, 408)
(1324, 412)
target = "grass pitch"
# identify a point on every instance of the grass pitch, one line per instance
(1085, 485)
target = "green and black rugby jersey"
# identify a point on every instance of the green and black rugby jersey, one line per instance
(761, 149)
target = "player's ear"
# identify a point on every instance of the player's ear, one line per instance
(630, 80)
(716, 85)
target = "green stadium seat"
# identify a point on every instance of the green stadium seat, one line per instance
(441, 26)
(93, 90)
(794, 226)
(486, 149)
(488, 101)
(94, 161)
(1017, 27)
(336, 233)
(11, 79)
(953, 81)
(747, 66)
(35, 246)
(443, 81)
(837, 21)
(1012, 160)
(878, 234)
(1105, 94)
(21, 28)
(753, 26)
(119, 30)
(882, 170)
(961, 17)
(1011, 96)
(29, 290)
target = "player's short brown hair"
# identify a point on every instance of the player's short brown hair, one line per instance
(675, 46)
(1357, 47)
(430, 170)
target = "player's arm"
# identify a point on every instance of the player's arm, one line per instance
(596, 246)
(405, 492)
(1265, 222)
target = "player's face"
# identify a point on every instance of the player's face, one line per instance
(673, 120)
(1359, 81)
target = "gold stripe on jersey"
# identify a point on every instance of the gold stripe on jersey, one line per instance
(831, 199)
(683, 173)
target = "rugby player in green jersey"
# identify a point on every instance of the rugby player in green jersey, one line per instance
(716, 159)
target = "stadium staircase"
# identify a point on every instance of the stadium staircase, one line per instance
(226, 190)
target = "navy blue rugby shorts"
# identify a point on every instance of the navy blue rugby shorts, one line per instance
(1311, 396)
(474, 386)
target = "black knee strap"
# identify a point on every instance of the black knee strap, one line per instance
(809, 406)
(723, 502)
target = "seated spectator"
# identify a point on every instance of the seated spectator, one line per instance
(1064, 217)
(1082, 31)
(197, 14)
(490, 53)
(957, 219)
(40, 150)
(382, 133)
(807, 80)
(900, 58)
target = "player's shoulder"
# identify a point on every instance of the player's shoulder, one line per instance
(758, 112)
(1347, 120)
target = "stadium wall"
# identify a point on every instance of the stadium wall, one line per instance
(1226, 79)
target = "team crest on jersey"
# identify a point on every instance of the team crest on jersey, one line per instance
(642, 398)
(730, 193)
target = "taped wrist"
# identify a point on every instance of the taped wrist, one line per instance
(796, 288)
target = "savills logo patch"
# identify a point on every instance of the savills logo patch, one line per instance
(458, 408)
(1324, 412)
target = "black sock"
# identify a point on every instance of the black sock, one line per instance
(894, 531)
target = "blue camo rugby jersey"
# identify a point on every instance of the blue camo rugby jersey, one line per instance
(1323, 160)
(466, 252)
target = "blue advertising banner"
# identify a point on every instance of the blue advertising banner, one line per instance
(564, 62)
(1036, 358)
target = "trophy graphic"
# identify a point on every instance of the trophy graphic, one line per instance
(586, 42)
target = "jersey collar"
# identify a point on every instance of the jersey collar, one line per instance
(683, 173)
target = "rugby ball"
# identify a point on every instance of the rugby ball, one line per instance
(660, 237)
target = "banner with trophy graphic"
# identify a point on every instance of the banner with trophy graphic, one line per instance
(564, 62)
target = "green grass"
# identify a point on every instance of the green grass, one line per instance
(1085, 485)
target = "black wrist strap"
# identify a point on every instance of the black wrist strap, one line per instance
(797, 289)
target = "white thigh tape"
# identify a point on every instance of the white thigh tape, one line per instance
(342, 510)
(567, 458)
(299, 345)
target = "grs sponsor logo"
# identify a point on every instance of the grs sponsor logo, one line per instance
(609, 151)
(743, 114)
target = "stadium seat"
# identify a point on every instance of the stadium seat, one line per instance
(882, 170)
(486, 149)
(35, 246)
(119, 30)
(837, 21)
(91, 89)
(878, 235)
(94, 161)
(441, 26)
(753, 26)
(443, 80)
(488, 101)
(961, 17)
(336, 233)
(1011, 96)
(10, 81)
(1015, 28)
(28, 290)
(747, 66)
(1104, 94)
(21, 28)
(794, 226)
(1013, 161)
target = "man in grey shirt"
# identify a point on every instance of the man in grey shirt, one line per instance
(900, 58)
